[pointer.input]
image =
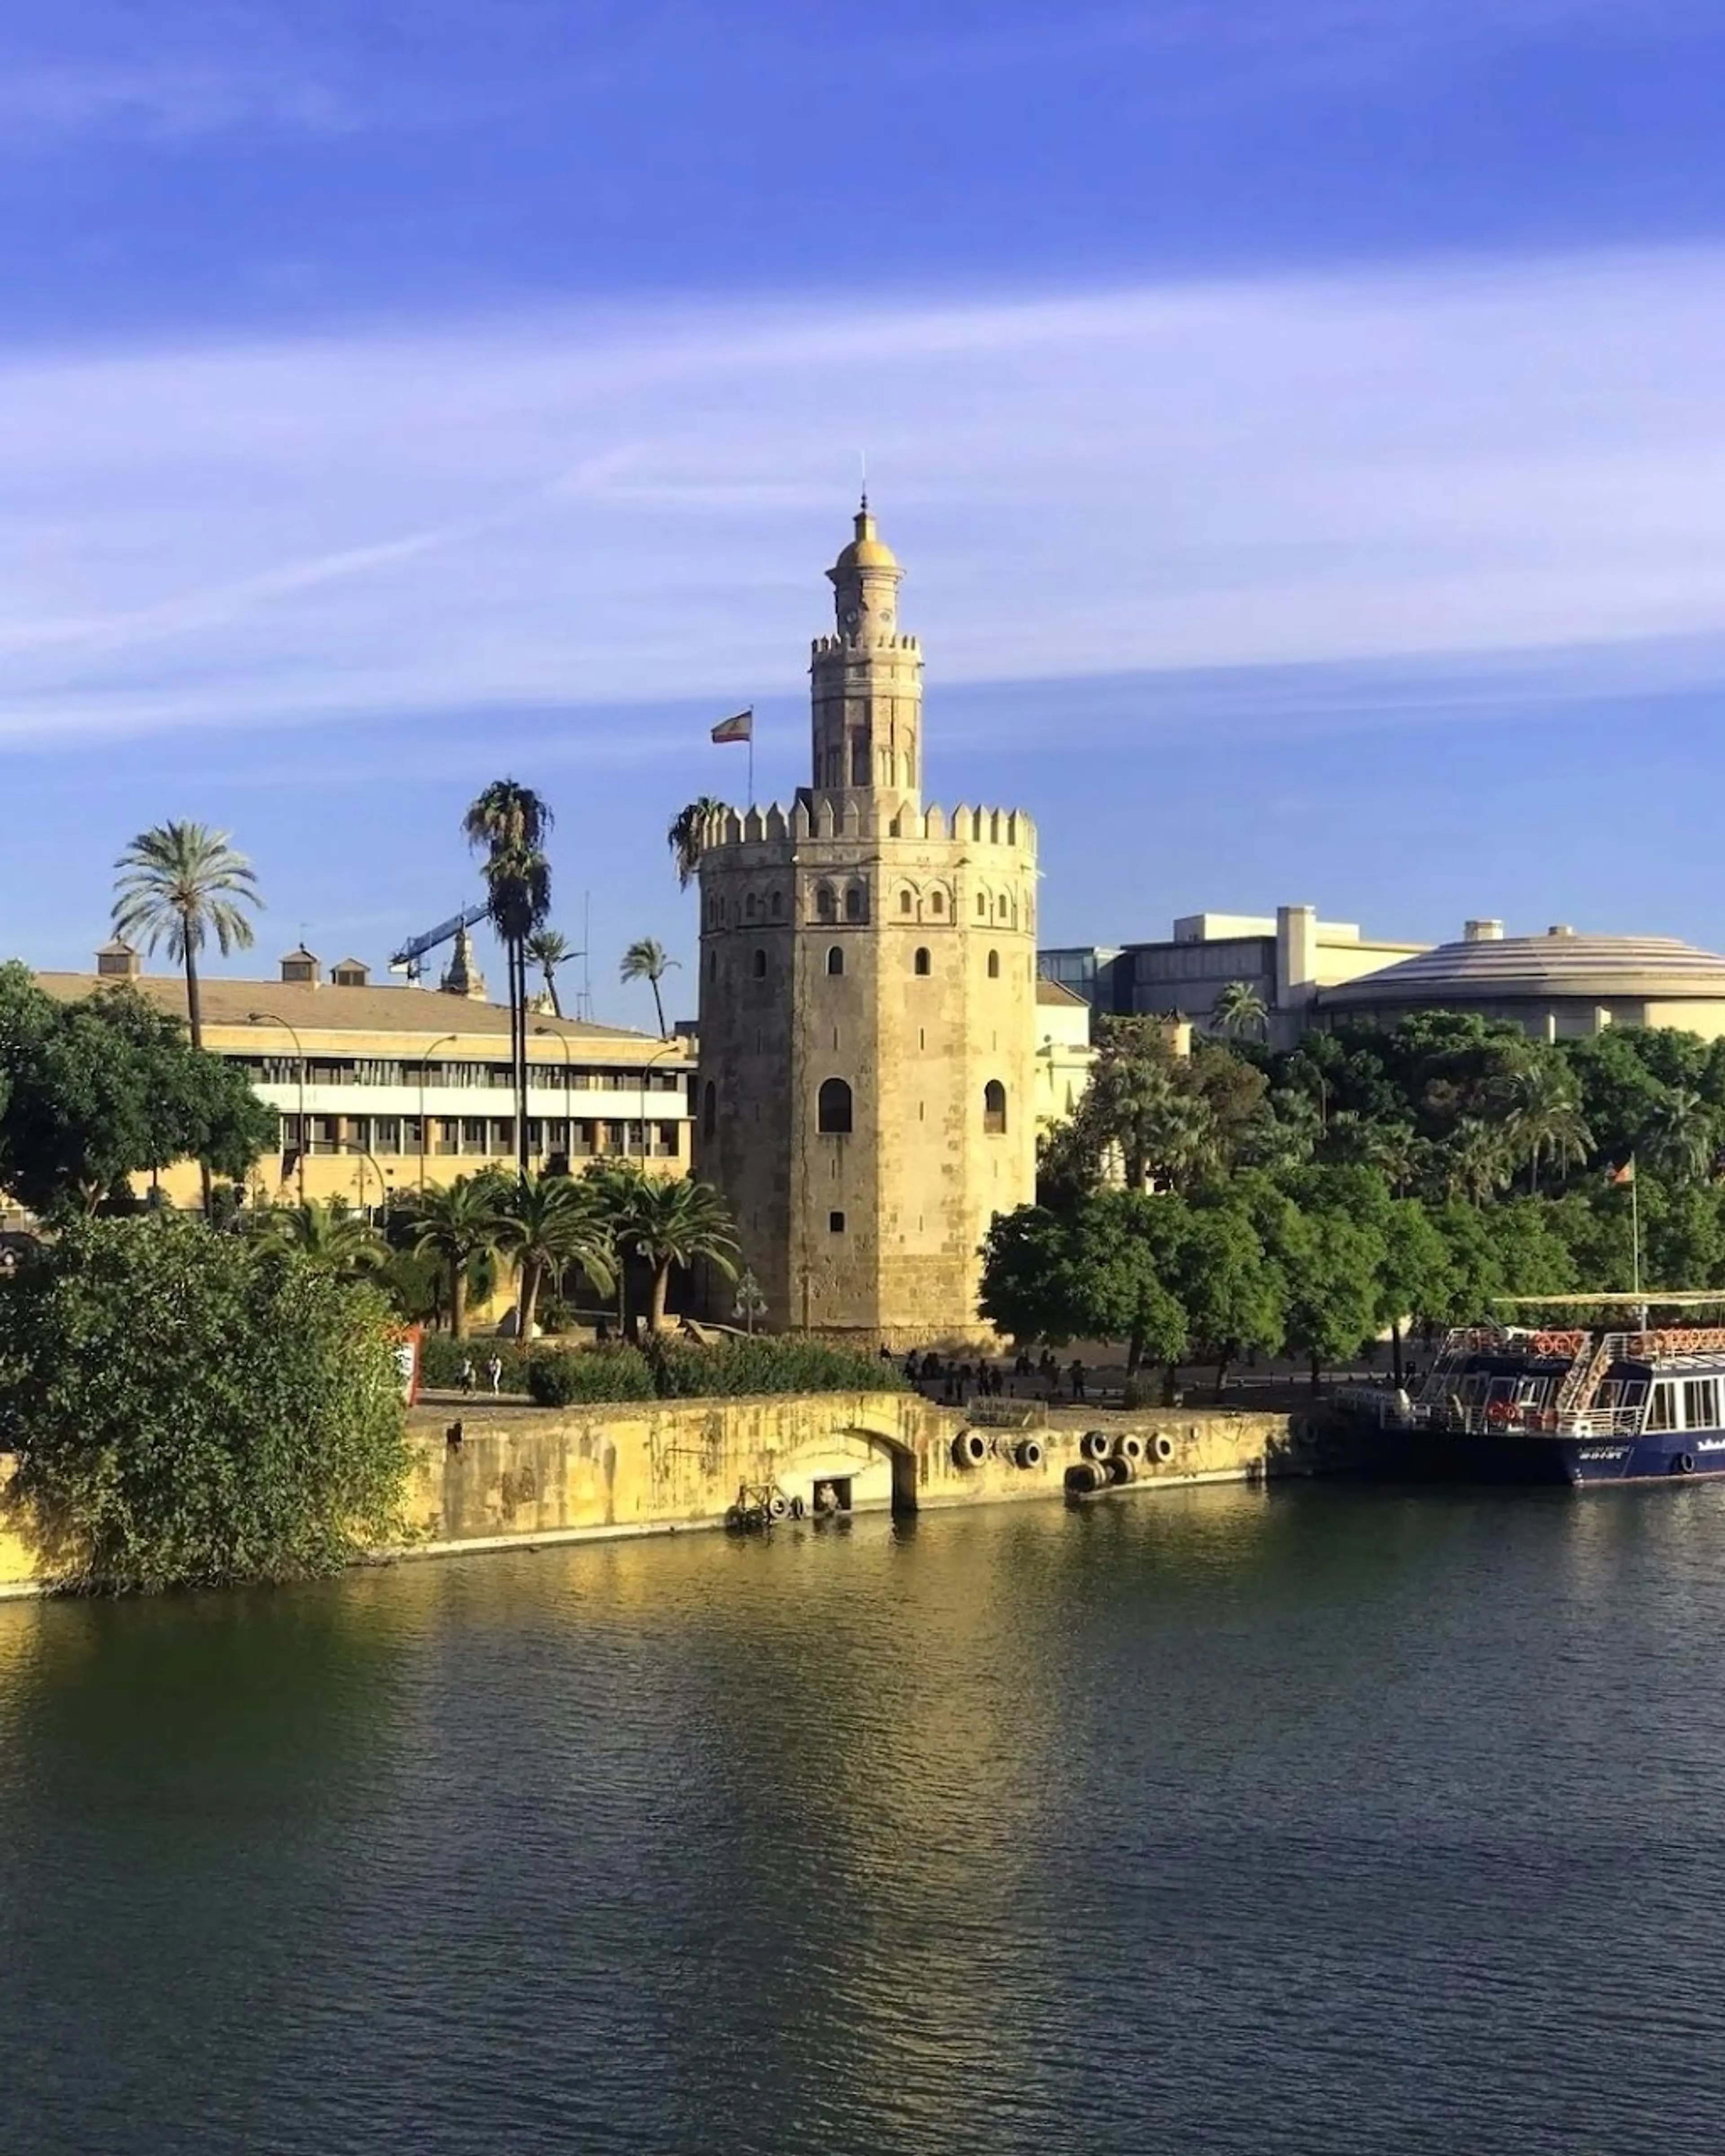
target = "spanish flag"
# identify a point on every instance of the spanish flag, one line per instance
(741, 728)
(1626, 1173)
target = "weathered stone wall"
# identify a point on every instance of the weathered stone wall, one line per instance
(523, 1474)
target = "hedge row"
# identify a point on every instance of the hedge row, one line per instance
(683, 1369)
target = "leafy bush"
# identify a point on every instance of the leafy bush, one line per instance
(560, 1380)
(192, 1408)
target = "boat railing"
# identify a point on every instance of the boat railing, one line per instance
(1474, 1419)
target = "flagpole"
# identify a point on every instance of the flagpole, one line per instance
(751, 763)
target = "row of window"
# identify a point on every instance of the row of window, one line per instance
(483, 1138)
(835, 1109)
(922, 963)
(829, 903)
(1677, 1403)
(386, 1070)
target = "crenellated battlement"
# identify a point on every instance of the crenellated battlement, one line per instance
(825, 647)
(817, 817)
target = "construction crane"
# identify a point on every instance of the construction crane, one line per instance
(407, 959)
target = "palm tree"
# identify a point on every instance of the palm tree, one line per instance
(550, 1222)
(182, 884)
(1543, 1117)
(547, 949)
(456, 1222)
(1239, 1011)
(674, 1223)
(1681, 1140)
(1476, 1160)
(333, 1239)
(645, 960)
(684, 836)
(511, 822)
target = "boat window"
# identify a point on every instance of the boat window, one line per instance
(1700, 1403)
(1532, 1392)
(1663, 1414)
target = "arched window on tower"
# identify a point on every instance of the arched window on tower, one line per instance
(982, 907)
(993, 965)
(777, 905)
(924, 963)
(907, 904)
(995, 1108)
(858, 761)
(832, 1106)
(1002, 906)
(854, 903)
(759, 965)
(835, 959)
(752, 906)
(937, 902)
(826, 905)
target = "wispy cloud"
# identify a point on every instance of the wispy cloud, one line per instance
(574, 509)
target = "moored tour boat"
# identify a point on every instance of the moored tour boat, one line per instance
(1583, 1405)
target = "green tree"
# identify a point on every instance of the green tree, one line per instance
(1232, 1292)
(1239, 1012)
(510, 823)
(683, 838)
(547, 949)
(647, 961)
(327, 1235)
(1092, 1271)
(96, 1092)
(675, 1222)
(191, 1409)
(550, 1222)
(1333, 1257)
(456, 1222)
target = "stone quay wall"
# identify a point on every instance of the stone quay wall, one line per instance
(521, 1475)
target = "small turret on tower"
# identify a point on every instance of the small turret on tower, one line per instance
(866, 683)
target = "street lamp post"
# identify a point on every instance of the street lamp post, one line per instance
(670, 1047)
(442, 1041)
(550, 1033)
(369, 1160)
(751, 1304)
(270, 1017)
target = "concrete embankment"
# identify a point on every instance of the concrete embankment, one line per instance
(519, 1475)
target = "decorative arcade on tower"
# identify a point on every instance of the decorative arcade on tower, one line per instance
(868, 1012)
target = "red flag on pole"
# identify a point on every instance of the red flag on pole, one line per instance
(741, 728)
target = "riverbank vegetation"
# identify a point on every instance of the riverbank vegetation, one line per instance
(190, 1409)
(1248, 1201)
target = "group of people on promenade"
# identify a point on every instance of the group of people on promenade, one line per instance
(962, 1381)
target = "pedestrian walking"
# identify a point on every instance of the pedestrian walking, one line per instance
(467, 1375)
(1076, 1374)
(494, 1371)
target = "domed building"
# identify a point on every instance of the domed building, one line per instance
(1559, 986)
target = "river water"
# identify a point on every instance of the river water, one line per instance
(1317, 1820)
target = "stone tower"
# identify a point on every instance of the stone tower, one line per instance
(868, 983)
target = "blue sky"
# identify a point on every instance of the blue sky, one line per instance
(1300, 421)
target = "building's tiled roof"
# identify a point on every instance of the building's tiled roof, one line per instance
(423, 1013)
(1055, 992)
(1560, 964)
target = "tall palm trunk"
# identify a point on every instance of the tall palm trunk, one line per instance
(526, 1303)
(658, 1003)
(194, 1020)
(518, 1036)
(661, 1284)
(458, 1298)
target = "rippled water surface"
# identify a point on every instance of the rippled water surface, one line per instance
(1323, 1821)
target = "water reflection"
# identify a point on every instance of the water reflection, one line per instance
(1226, 1820)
